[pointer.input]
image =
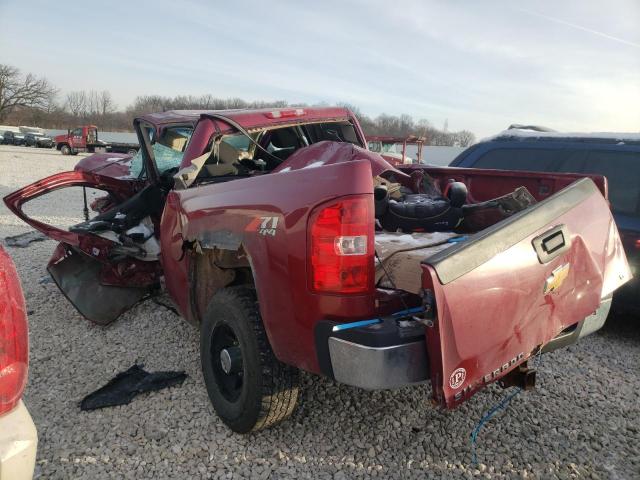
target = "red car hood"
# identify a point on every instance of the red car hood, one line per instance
(115, 165)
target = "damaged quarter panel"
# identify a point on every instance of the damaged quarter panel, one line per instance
(267, 216)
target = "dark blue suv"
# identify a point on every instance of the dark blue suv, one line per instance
(614, 155)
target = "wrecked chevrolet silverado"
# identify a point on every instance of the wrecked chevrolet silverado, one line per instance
(291, 246)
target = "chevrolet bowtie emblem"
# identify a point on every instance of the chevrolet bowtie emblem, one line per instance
(557, 277)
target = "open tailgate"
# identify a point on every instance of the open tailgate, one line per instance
(515, 286)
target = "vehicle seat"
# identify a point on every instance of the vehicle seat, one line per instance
(286, 141)
(228, 157)
(174, 140)
(420, 212)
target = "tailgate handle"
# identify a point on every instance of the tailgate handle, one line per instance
(552, 243)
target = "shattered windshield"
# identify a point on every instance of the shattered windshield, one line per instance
(166, 159)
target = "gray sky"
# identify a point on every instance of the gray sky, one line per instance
(571, 65)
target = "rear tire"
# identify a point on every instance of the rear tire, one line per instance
(255, 390)
(65, 150)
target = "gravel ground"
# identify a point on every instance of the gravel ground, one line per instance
(581, 422)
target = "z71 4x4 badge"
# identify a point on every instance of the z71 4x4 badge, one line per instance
(263, 225)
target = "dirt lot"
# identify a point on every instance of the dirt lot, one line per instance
(582, 421)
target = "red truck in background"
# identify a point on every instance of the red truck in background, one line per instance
(80, 139)
(85, 139)
(263, 226)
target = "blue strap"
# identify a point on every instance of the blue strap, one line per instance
(536, 360)
(457, 239)
(487, 416)
(373, 321)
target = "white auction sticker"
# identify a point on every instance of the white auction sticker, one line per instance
(457, 378)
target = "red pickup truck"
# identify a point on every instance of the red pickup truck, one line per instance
(262, 226)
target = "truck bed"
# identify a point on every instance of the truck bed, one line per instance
(534, 281)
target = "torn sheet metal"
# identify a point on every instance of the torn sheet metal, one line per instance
(126, 385)
(222, 239)
(78, 277)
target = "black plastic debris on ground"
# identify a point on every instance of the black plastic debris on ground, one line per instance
(126, 385)
(24, 239)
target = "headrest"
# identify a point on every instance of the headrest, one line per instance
(283, 138)
(174, 140)
(228, 153)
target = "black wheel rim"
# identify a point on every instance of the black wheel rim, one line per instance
(230, 384)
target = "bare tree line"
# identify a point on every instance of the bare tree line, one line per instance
(31, 100)
(404, 125)
(85, 104)
(18, 91)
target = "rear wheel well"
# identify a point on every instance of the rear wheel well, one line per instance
(213, 269)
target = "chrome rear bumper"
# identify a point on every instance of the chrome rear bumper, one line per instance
(381, 357)
(375, 368)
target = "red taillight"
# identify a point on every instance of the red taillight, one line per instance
(14, 339)
(293, 112)
(341, 246)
